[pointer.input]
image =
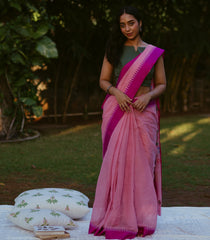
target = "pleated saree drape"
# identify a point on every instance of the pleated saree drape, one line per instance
(128, 192)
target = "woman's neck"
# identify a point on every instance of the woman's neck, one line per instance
(136, 42)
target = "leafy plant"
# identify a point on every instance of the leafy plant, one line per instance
(25, 49)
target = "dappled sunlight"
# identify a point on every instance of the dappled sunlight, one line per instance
(181, 129)
(191, 135)
(184, 131)
(179, 138)
(204, 121)
(177, 131)
(164, 130)
(74, 129)
(180, 149)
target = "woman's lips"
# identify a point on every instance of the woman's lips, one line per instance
(129, 34)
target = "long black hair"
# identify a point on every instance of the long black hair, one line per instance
(116, 41)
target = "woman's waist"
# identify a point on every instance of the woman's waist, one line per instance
(142, 90)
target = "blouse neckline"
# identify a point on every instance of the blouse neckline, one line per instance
(130, 46)
(133, 46)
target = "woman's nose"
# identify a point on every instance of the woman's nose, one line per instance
(127, 28)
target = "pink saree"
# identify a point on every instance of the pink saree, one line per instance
(128, 193)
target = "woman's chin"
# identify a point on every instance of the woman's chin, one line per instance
(131, 37)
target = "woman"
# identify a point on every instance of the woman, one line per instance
(128, 192)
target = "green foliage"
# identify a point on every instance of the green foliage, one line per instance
(82, 29)
(28, 101)
(46, 47)
(24, 41)
(37, 111)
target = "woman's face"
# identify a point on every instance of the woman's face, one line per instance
(129, 26)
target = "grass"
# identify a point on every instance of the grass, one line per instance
(185, 152)
(73, 157)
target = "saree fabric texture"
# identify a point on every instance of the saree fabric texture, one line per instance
(128, 193)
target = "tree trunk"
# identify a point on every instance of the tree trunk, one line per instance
(170, 78)
(176, 85)
(74, 79)
(7, 130)
(179, 82)
(56, 91)
(188, 76)
(71, 88)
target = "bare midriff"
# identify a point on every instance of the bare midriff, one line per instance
(142, 90)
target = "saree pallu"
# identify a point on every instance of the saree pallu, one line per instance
(127, 198)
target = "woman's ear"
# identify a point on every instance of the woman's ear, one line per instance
(140, 24)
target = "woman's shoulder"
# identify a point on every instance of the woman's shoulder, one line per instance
(145, 44)
(154, 46)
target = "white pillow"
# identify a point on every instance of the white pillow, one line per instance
(70, 202)
(28, 218)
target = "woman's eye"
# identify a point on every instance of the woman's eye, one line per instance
(131, 24)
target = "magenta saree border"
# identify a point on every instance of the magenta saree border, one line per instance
(119, 233)
(158, 167)
(122, 73)
(144, 62)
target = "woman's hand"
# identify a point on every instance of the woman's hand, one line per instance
(142, 101)
(123, 100)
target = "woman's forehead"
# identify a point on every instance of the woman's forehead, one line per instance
(125, 17)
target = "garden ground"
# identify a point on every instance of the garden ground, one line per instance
(69, 156)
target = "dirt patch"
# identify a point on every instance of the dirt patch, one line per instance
(46, 127)
(10, 190)
(199, 197)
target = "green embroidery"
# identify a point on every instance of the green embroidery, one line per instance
(37, 194)
(24, 194)
(37, 206)
(67, 195)
(82, 196)
(27, 220)
(71, 223)
(22, 204)
(14, 214)
(45, 223)
(55, 214)
(53, 191)
(35, 210)
(67, 208)
(52, 200)
(81, 203)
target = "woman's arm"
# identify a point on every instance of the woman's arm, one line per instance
(106, 74)
(105, 83)
(159, 79)
(160, 86)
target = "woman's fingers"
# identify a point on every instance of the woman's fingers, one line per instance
(125, 107)
(124, 101)
(139, 106)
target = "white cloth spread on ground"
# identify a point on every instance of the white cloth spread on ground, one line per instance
(176, 223)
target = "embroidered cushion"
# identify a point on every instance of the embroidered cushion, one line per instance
(27, 218)
(68, 201)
